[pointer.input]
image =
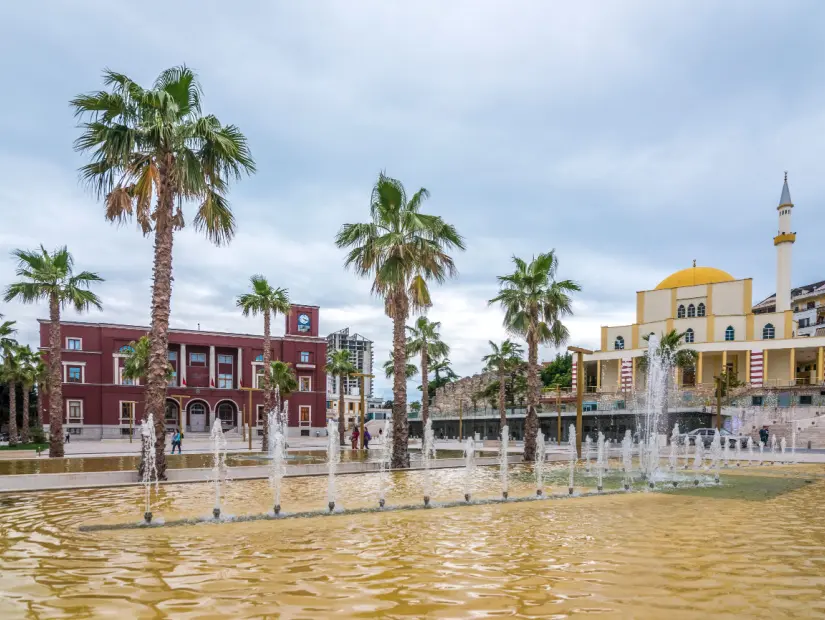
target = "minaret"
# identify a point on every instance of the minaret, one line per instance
(784, 241)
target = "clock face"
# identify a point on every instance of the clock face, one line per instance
(303, 319)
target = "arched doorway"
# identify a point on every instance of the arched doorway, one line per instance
(172, 417)
(227, 413)
(198, 413)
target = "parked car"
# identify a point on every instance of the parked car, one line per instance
(706, 435)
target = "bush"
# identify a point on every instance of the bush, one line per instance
(37, 435)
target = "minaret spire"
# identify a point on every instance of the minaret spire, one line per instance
(784, 241)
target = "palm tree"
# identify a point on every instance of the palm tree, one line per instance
(442, 374)
(410, 370)
(136, 364)
(502, 361)
(269, 302)
(10, 375)
(50, 276)
(669, 348)
(40, 375)
(339, 364)
(154, 143)
(534, 303)
(415, 407)
(282, 376)
(28, 375)
(401, 249)
(424, 340)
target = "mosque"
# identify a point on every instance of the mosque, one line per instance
(777, 343)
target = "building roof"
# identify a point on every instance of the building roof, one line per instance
(785, 198)
(695, 275)
(817, 288)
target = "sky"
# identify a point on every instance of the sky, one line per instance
(630, 136)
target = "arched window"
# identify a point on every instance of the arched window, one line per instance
(259, 357)
(730, 333)
(768, 332)
(689, 336)
(680, 312)
(619, 344)
(226, 413)
(691, 310)
(197, 409)
(126, 349)
(700, 310)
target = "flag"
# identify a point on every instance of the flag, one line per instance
(211, 382)
(183, 382)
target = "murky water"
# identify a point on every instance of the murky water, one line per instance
(754, 548)
(45, 465)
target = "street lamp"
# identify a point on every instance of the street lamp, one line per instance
(579, 393)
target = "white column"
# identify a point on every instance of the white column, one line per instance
(240, 369)
(212, 382)
(182, 365)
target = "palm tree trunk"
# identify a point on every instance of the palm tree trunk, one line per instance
(24, 432)
(55, 381)
(502, 389)
(12, 413)
(531, 420)
(400, 428)
(342, 421)
(156, 380)
(267, 386)
(425, 387)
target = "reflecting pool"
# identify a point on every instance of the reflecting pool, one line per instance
(752, 548)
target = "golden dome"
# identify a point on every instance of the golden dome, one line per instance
(695, 275)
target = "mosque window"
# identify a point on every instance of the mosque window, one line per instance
(689, 335)
(619, 344)
(700, 310)
(768, 332)
(680, 312)
(730, 333)
(691, 310)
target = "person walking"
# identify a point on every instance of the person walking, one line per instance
(355, 436)
(367, 438)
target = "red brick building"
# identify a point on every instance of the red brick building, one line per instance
(212, 372)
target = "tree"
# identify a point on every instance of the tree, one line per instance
(282, 377)
(267, 301)
(442, 375)
(534, 304)
(27, 376)
(339, 364)
(424, 340)
(670, 348)
(40, 375)
(415, 407)
(559, 372)
(502, 361)
(154, 145)
(50, 276)
(10, 375)
(136, 364)
(401, 249)
(410, 370)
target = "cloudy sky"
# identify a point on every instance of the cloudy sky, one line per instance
(632, 137)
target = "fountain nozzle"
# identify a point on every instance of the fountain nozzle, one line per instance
(504, 494)
(427, 500)
(466, 497)
(381, 502)
(674, 484)
(716, 479)
(216, 512)
(599, 488)
(147, 517)
(539, 492)
(626, 487)
(331, 506)
(650, 484)
(696, 483)
(570, 490)
(277, 509)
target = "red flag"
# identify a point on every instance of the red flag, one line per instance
(212, 382)
(184, 382)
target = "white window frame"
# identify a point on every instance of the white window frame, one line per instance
(120, 379)
(301, 383)
(80, 340)
(255, 374)
(732, 333)
(301, 423)
(198, 365)
(172, 353)
(701, 310)
(772, 332)
(120, 412)
(301, 357)
(681, 312)
(618, 341)
(691, 311)
(690, 336)
(222, 376)
(231, 359)
(69, 421)
(259, 413)
(66, 371)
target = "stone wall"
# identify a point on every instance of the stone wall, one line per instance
(448, 397)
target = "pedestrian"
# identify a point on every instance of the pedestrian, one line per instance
(176, 437)
(367, 438)
(355, 435)
(68, 437)
(380, 435)
(763, 435)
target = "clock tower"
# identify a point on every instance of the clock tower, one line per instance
(302, 321)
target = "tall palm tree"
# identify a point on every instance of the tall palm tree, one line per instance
(282, 376)
(28, 369)
(50, 276)
(423, 339)
(154, 145)
(268, 301)
(339, 365)
(502, 361)
(401, 249)
(10, 375)
(136, 364)
(534, 304)
(410, 370)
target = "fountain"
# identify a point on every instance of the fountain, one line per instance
(541, 455)
(784, 445)
(674, 442)
(761, 452)
(469, 466)
(573, 458)
(793, 442)
(716, 454)
(738, 453)
(774, 442)
(600, 461)
(427, 454)
(750, 450)
(219, 474)
(150, 470)
(503, 469)
(386, 461)
(627, 458)
(698, 459)
(588, 444)
(277, 454)
(725, 450)
(333, 458)
(658, 371)
(687, 451)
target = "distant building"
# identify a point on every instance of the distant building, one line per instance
(211, 372)
(362, 356)
(808, 307)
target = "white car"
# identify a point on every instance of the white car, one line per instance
(707, 437)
